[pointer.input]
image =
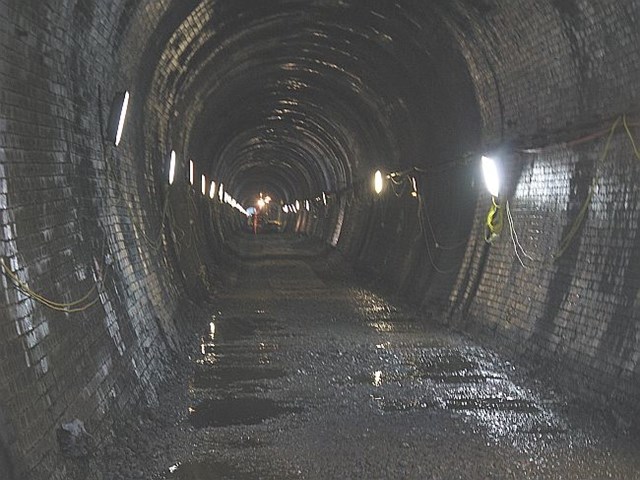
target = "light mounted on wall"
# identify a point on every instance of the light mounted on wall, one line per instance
(414, 187)
(172, 167)
(491, 175)
(378, 182)
(117, 116)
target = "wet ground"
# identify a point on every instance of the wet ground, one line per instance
(303, 374)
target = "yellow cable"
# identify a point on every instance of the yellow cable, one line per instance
(575, 226)
(62, 307)
(633, 142)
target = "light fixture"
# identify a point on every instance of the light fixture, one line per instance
(324, 198)
(378, 183)
(297, 205)
(117, 116)
(491, 175)
(212, 189)
(172, 167)
(307, 205)
(285, 208)
(191, 172)
(204, 185)
(414, 187)
(221, 192)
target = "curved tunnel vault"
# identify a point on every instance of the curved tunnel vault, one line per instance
(304, 100)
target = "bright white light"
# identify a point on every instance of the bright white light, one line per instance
(212, 189)
(297, 205)
(491, 175)
(307, 205)
(221, 192)
(267, 199)
(191, 172)
(123, 115)
(324, 198)
(285, 209)
(377, 378)
(377, 181)
(261, 203)
(172, 167)
(204, 185)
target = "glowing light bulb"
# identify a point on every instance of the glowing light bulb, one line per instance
(491, 175)
(212, 190)
(378, 183)
(204, 185)
(191, 172)
(172, 167)
(123, 116)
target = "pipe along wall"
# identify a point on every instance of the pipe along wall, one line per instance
(302, 98)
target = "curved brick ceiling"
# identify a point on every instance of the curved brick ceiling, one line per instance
(300, 97)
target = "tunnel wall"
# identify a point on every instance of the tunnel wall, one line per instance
(77, 224)
(545, 85)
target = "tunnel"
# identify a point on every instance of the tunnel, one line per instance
(319, 239)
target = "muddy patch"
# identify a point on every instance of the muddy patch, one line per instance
(225, 376)
(237, 411)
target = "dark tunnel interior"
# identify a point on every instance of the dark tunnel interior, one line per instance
(127, 226)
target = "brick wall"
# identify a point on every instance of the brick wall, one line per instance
(570, 69)
(79, 218)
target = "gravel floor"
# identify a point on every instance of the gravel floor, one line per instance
(303, 374)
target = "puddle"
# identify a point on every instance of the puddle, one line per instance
(215, 470)
(493, 404)
(399, 405)
(450, 367)
(224, 376)
(236, 411)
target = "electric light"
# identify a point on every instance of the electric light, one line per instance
(491, 175)
(285, 208)
(221, 192)
(378, 183)
(324, 198)
(267, 199)
(307, 205)
(172, 167)
(212, 190)
(297, 205)
(261, 203)
(117, 116)
(190, 172)
(204, 185)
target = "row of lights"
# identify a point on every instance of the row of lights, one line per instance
(489, 171)
(306, 204)
(115, 128)
(223, 196)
